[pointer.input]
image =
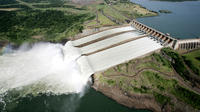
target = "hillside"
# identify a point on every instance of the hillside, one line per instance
(159, 82)
(57, 20)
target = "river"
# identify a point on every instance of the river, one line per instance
(92, 101)
(183, 22)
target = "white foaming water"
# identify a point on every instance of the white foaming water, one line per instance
(43, 68)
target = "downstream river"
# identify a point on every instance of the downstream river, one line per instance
(183, 22)
(92, 101)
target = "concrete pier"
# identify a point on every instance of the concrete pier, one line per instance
(187, 44)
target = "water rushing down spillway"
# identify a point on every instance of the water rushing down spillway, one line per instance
(123, 53)
(45, 67)
(117, 49)
(110, 41)
(102, 34)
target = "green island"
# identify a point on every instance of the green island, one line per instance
(165, 11)
(164, 80)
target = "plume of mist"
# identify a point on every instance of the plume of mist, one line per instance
(44, 67)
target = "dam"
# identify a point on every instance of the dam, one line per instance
(108, 48)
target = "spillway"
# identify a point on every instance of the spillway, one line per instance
(99, 53)
(101, 34)
(110, 41)
(108, 58)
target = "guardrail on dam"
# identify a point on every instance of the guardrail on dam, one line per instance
(166, 39)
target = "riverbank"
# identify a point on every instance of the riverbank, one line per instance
(150, 83)
(136, 101)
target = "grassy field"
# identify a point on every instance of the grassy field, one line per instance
(104, 21)
(152, 75)
(192, 59)
(132, 10)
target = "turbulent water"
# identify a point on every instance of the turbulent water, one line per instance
(42, 68)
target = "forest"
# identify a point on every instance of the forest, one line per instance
(48, 1)
(20, 26)
(4, 2)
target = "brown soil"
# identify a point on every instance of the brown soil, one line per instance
(37, 36)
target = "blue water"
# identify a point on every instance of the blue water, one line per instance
(183, 22)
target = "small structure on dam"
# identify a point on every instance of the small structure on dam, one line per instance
(188, 44)
(108, 48)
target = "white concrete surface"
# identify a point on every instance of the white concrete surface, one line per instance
(120, 54)
(101, 34)
(110, 41)
(85, 68)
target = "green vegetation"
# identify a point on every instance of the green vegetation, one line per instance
(4, 2)
(104, 20)
(111, 82)
(154, 79)
(181, 68)
(58, 6)
(178, 63)
(165, 11)
(55, 20)
(43, 1)
(113, 13)
(14, 6)
(187, 96)
(22, 25)
(192, 59)
(162, 60)
(160, 64)
(143, 89)
(51, 20)
(149, 76)
(132, 10)
(161, 98)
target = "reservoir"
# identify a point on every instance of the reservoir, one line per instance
(183, 22)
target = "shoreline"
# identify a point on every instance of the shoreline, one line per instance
(149, 88)
(141, 102)
(136, 101)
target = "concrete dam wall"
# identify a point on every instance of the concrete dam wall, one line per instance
(109, 48)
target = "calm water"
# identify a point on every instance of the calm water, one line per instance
(183, 22)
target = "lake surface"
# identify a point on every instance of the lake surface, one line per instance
(183, 22)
